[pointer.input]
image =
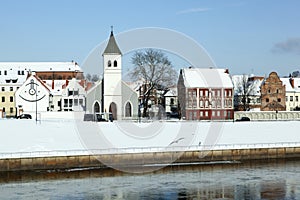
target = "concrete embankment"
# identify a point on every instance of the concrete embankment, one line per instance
(141, 160)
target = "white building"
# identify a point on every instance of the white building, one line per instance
(52, 74)
(171, 101)
(292, 89)
(33, 96)
(111, 94)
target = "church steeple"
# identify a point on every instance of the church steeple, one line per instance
(112, 46)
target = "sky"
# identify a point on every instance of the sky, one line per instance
(253, 36)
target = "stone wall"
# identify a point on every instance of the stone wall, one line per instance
(269, 115)
(140, 160)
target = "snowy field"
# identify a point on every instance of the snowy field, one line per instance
(53, 137)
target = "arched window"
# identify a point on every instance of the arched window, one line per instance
(109, 63)
(128, 110)
(115, 63)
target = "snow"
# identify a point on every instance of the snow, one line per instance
(206, 77)
(288, 86)
(53, 137)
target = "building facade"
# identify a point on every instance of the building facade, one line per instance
(292, 89)
(273, 94)
(112, 94)
(205, 94)
(53, 75)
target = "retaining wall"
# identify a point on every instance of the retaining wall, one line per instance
(142, 159)
(268, 115)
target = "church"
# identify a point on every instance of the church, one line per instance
(111, 94)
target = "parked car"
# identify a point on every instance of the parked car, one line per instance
(243, 119)
(24, 116)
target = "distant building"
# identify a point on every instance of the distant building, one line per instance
(111, 94)
(292, 88)
(205, 94)
(171, 102)
(251, 92)
(14, 74)
(273, 94)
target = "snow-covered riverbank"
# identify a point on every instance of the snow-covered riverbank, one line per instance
(23, 138)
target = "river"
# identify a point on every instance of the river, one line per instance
(254, 180)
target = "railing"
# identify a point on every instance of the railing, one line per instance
(82, 152)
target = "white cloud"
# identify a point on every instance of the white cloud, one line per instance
(192, 10)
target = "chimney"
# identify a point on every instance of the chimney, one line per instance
(292, 82)
(226, 71)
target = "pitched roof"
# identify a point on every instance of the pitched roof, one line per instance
(112, 47)
(206, 77)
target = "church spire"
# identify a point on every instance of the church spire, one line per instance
(112, 47)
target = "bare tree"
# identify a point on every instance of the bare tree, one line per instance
(156, 71)
(88, 77)
(95, 78)
(244, 90)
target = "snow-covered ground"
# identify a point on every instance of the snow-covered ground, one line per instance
(53, 137)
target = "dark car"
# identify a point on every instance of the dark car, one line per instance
(24, 116)
(243, 119)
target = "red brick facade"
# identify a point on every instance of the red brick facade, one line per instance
(273, 94)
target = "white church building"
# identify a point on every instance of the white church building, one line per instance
(111, 94)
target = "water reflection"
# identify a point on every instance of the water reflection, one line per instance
(273, 180)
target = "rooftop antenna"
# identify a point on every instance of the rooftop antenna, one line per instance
(111, 30)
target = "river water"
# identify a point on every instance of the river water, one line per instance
(272, 180)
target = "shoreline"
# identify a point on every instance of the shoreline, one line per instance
(146, 161)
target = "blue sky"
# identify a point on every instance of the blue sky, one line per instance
(254, 36)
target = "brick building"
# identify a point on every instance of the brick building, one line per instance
(205, 94)
(273, 94)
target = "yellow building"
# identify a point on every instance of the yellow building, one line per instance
(7, 100)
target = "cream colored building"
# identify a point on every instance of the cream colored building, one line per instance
(292, 96)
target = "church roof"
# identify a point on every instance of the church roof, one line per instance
(112, 47)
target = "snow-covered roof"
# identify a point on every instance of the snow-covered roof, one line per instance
(288, 85)
(40, 66)
(206, 77)
(17, 72)
(172, 92)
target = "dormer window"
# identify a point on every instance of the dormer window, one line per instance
(115, 63)
(109, 63)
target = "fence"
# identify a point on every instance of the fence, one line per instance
(268, 115)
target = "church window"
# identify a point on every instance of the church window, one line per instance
(109, 63)
(115, 63)
(267, 100)
(128, 110)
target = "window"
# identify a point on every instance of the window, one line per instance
(201, 93)
(22, 72)
(0, 72)
(75, 102)
(201, 104)
(291, 98)
(65, 102)
(70, 102)
(115, 63)
(19, 73)
(206, 93)
(201, 113)
(267, 100)
(76, 92)
(279, 100)
(277, 91)
(109, 63)
(218, 93)
(286, 98)
(5, 72)
(80, 101)
(70, 92)
(11, 110)
(225, 113)
(296, 98)
(172, 101)
(3, 99)
(3, 89)
(11, 89)
(213, 113)
(206, 104)
(206, 113)
(269, 91)
(11, 99)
